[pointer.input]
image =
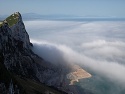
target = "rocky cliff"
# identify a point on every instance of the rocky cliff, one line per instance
(21, 70)
(24, 72)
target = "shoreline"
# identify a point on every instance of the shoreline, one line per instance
(78, 74)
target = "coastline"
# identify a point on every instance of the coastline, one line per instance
(78, 74)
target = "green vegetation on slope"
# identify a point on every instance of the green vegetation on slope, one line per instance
(1, 24)
(33, 87)
(12, 19)
(26, 85)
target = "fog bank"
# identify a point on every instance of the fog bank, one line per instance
(98, 46)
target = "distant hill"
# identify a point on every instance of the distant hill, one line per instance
(35, 16)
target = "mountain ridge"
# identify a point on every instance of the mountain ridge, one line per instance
(62, 17)
(17, 61)
(24, 72)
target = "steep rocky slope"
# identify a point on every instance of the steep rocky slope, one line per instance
(22, 71)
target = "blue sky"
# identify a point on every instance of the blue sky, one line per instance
(108, 8)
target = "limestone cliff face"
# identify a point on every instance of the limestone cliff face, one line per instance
(21, 70)
(15, 46)
(19, 31)
(17, 57)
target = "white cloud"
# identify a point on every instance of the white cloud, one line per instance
(62, 54)
(106, 50)
(100, 46)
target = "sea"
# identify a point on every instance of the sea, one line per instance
(97, 45)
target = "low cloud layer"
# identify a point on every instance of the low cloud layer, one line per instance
(98, 46)
(56, 53)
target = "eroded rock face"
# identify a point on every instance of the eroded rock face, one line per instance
(15, 46)
(19, 60)
(17, 57)
(19, 32)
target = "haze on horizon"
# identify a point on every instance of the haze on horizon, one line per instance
(97, 46)
(90, 8)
